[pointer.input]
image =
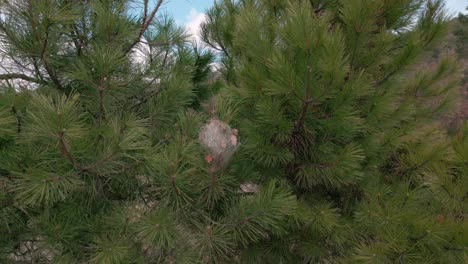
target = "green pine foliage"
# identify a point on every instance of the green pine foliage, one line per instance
(339, 156)
(329, 100)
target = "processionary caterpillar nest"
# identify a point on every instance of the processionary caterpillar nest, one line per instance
(221, 142)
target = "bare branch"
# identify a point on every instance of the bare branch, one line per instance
(147, 20)
(11, 76)
(65, 151)
(47, 67)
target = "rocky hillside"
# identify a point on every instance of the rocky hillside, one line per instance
(456, 44)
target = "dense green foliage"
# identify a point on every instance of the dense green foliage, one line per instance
(337, 153)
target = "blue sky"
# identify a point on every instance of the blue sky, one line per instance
(188, 12)
(457, 5)
(180, 9)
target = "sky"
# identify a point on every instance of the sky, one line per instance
(190, 12)
(456, 6)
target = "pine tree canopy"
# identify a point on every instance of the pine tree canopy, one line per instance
(299, 131)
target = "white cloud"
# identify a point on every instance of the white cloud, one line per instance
(193, 22)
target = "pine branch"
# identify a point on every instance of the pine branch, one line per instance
(145, 12)
(453, 248)
(387, 77)
(99, 162)
(143, 198)
(147, 97)
(101, 104)
(296, 137)
(47, 67)
(36, 69)
(223, 49)
(306, 102)
(11, 76)
(102, 114)
(65, 151)
(76, 39)
(18, 119)
(418, 238)
(147, 20)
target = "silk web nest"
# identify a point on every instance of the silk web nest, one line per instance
(220, 141)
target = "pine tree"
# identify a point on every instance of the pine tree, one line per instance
(91, 91)
(320, 143)
(330, 101)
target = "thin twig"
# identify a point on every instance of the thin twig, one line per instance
(146, 98)
(147, 20)
(11, 76)
(47, 67)
(65, 151)
(18, 119)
